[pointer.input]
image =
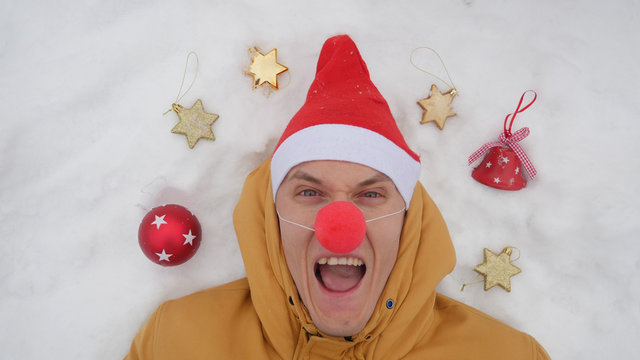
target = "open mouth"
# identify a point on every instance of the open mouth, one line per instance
(339, 274)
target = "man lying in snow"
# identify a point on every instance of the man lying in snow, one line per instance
(342, 246)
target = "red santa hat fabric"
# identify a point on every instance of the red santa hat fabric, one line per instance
(346, 118)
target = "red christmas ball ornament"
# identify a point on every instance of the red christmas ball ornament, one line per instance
(169, 235)
(340, 227)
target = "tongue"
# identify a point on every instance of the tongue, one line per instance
(340, 277)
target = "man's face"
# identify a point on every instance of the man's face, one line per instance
(340, 298)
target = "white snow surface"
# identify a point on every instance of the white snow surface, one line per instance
(86, 152)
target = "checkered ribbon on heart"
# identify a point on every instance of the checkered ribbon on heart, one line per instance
(509, 139)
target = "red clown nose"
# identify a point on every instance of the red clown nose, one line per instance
(340, 227)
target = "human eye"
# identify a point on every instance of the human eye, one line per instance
(308, 192)
(372, 194)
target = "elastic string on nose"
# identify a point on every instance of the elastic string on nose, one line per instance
(312, 229)
(293, 223)
(384, 216)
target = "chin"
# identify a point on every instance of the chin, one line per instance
(340, 299)
(334, 327)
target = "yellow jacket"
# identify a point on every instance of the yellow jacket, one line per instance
(261, 316)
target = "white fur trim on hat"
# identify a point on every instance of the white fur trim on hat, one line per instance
(346, 143)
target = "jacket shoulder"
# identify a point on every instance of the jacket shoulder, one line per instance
(233, 294)
(213, 323)
(481, 336)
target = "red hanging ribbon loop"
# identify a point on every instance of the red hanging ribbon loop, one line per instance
(509, 139)
(507, 131)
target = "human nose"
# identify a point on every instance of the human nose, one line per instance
(340, 227)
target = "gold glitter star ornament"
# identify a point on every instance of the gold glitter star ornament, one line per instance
(436, 106)
(265, 68)
(194, 123)
(497, 269)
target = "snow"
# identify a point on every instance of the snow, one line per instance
(86, 152)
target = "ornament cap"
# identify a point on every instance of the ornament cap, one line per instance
(176, 107)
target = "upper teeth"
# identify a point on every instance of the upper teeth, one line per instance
(340, 261)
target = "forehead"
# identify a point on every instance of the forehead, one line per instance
(320, 171)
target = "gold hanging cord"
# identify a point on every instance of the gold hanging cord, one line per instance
(450, 83)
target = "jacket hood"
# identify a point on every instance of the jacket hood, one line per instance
(425, 256)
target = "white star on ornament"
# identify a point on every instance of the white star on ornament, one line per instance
(188, 238)
(489, 164)
(517, 170)
(505, 159)
(163, 256)
(159, 221)
(496, 180)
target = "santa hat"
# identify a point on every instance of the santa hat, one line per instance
(346, 118)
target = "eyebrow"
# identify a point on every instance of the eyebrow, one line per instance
(379, 177)
(305, 176)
